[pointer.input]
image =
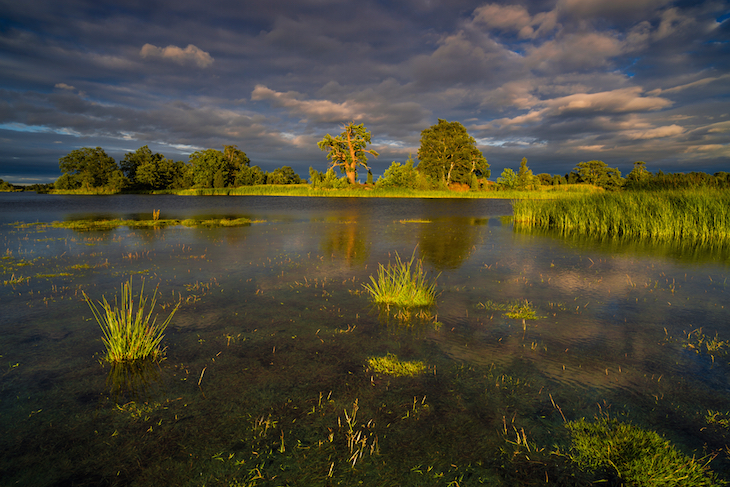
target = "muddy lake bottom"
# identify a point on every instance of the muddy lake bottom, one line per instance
(266, 378)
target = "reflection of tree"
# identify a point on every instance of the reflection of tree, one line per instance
(446, 244)
(132, 379)
(347, 240)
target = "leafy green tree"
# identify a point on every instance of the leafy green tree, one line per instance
(347, 151)
(249, 176)
(449, 154)
(87, 168)
(133, 160)
(599, 174)
(158, 173)
(210, 167)
(525, 178)
(328, 180)
(283, 175)
(508, 179)
(399, 176)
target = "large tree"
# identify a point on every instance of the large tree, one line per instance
(599, 174)
(88, 168)
(347, 150)
(449, 154)
(141, 157)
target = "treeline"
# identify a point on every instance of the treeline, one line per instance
(92, 169)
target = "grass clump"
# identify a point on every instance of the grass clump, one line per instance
(638, 457)
(402, 284)
(517, 310)
(391, 365)
(130, 334)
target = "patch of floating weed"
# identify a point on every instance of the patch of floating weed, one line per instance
(519, 310)
(80, 266)
(392, 365)
(88, 225)
(638, 457)
(50, 276)
(130, 334)
(402, 284)
(700, 343)
(414, 221)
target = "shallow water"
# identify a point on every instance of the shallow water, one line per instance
(267, 356)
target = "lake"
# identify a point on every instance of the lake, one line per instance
(267, 378)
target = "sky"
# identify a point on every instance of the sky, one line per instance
(556, 81)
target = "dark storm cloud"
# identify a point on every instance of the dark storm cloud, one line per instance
(556, 81)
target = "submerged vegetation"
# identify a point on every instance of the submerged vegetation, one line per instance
(154, 223)
(392, 365)
(636, 456)
(402, 284)
(130, 334)
(699, 216)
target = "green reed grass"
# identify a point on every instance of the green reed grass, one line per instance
(638, 457)
(112, 224)
(402, 284)
(701, 215)
(130, 333)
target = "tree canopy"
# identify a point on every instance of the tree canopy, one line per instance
(449, 154)
(599, 174)
(348, 150)
(89, 168)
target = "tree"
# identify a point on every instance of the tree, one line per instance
(283, 175)
(87, 168)
(449, 154)
(210, 167)
(249, 176)
(347, 150)
(133, 160)
(599, 174)
(508, 179)
(399, 176)
(525, 179)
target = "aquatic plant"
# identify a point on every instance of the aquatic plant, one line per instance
(694, 215)
(402, 284)
(638, 457)
(130, 334)
(391, 365)
(521, 309)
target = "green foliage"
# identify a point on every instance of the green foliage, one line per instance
(130, 334)
(508, 179)
(211, 169)
(328, 180)
(638, 457)
(391, 365)
(283, 175)
(598, 173)
(249, 176)
(402, 284)
(399, 176)
(348, 150)
(525, 178)
(449, 154)
(701, 216)
(87, 168)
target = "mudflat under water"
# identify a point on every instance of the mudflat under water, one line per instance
(266, 380)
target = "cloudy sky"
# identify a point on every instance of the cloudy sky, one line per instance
(556, 81)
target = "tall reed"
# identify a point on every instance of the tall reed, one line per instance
(130, 334)
(699, 215)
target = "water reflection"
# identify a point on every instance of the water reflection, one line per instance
(448, 243)
(132, 380)
(348, 240)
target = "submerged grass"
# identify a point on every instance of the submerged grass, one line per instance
(638, 457)
(111, 224)
(130, 334)
(402, 284)
(392, 365)
(700, 215)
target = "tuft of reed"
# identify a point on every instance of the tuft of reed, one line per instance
(130, 332)
(402, 284)
(700, 216)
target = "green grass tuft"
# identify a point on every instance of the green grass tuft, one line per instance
(402, 284)
(638, 457)
(391, 365)
(130, 334)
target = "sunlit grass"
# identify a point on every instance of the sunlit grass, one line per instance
(402, 284)
(112, 224)
(519, 310)
(130, 334)
(698, 216)
(638, 457)
(392, 365)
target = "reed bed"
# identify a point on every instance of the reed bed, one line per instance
(699, 216)
(111, 224)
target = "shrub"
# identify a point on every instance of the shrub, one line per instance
(402, 284)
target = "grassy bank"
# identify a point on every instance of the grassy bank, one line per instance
(548, 192)
(111, 224)
(701, 216)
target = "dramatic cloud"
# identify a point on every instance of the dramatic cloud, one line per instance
(557, 82)
(188, 56)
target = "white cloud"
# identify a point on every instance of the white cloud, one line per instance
(656, 133)
(319, 110)
(64, 86)
(189, 55)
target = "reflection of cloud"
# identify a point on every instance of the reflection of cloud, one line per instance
(189, 55)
